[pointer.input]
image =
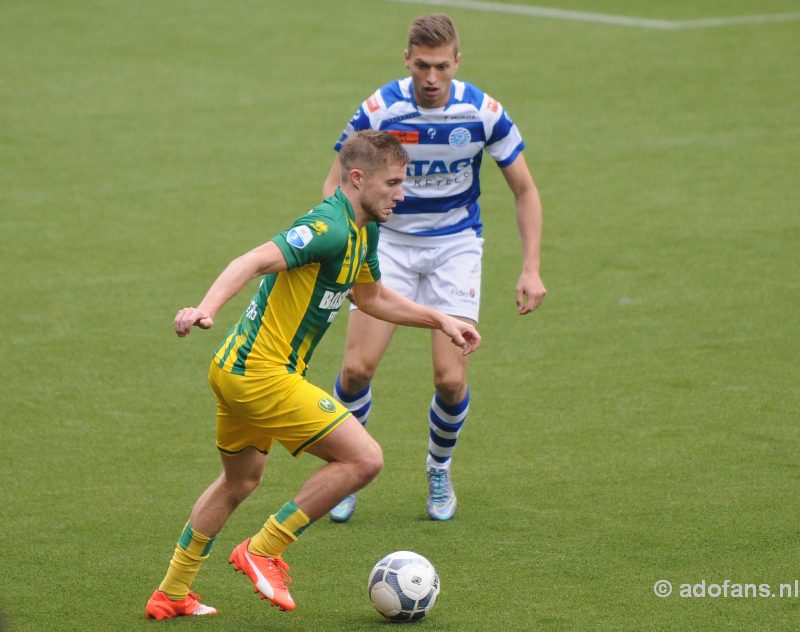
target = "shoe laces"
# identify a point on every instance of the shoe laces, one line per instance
(440, 488)
(281, 568)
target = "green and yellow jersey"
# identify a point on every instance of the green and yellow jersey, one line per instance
(327, 254)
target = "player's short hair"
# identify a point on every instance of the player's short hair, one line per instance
(432, 31)
(371, 150)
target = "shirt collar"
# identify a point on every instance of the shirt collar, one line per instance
(351, 214)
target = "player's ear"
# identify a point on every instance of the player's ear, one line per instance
(356, 176)
(407, 56)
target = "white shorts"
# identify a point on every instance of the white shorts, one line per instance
(440, 272)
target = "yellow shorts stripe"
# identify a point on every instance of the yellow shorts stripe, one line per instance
(321, 433)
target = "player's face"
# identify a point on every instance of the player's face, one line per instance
(381, 191)
(432, 70)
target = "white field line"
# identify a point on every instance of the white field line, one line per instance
(743, 19)
(603, 18)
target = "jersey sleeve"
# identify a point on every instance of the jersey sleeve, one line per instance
(503, 140)
(370, 270)
(310, 239)
(361, 119)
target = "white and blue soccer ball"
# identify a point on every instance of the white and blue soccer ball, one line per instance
(403, 586)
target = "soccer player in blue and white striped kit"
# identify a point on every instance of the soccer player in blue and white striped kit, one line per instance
(430, 249)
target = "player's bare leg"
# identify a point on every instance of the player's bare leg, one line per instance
(367, 341)
(449, 408)
(353, 460)
(240, 476)
(450, 367)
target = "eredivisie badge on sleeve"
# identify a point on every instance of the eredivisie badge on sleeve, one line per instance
(300, 236)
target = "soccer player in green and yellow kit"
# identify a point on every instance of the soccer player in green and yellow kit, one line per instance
(257, 373)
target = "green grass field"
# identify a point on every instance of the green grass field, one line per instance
(643, 425)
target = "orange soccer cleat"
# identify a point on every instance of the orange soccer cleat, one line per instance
(269, 575)
(159, 607)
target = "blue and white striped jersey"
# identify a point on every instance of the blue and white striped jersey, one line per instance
(446, 147)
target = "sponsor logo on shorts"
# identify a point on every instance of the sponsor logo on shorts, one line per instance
(463, 293)
(327, 405)
(300, 236)
(459, 137)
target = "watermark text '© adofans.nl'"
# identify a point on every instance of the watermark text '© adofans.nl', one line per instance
(726, 589)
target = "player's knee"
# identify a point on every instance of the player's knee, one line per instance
(450, 388)
(355, 375)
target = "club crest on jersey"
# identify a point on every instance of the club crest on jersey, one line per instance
(459, 137)
(300, 236)
(327, 405)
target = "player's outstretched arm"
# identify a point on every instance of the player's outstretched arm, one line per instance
(264, 259)
(530, 290)
(383, 303)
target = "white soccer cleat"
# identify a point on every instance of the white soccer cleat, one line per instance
(441, 497)
(345, 509)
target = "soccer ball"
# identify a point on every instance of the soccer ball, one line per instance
(403, 586)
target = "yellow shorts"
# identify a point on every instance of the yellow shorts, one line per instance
(285, 407)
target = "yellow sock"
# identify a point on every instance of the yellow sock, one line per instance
(192, 550)
(279, 531)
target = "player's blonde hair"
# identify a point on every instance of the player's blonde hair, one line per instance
(432, 31)
(371, 150)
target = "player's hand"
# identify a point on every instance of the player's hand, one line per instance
(530, 292)
(188, 317)
(463, 335)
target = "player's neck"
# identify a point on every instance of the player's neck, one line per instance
(360, 217)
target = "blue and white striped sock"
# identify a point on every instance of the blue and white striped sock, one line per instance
(445, 424)
(359, 404)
